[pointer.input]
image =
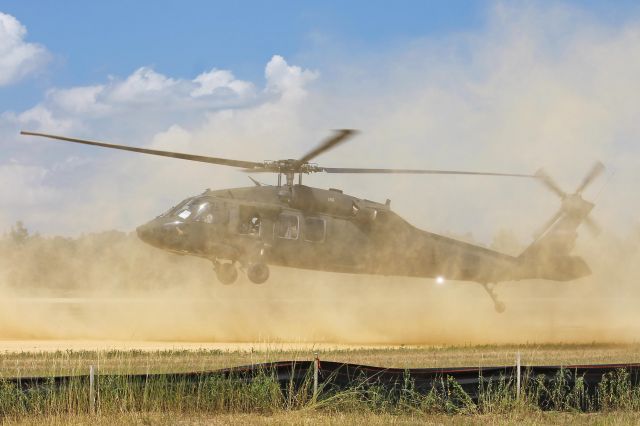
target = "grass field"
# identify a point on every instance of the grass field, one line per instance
(311, 417)
(223, 402)
(166, 361)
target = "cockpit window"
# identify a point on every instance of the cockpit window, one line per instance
(201, 210)
(175, 209)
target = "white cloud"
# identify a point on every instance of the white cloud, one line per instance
(17, 57)
(78, 100)
(216, 80)
(143, 84)
(42, 118)
(290, 81)
(145, 96)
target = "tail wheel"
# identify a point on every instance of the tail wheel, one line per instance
(258, 273)
(499, 306)
(226, 273)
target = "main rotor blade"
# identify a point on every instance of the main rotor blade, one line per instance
(339, 137)
(595, 171)
(419, 172)
(550, 183)
(190, 157)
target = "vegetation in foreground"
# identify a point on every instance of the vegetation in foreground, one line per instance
(314, 417)
(212, 398)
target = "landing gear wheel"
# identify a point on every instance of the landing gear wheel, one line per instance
(226, 273)
(258, 273)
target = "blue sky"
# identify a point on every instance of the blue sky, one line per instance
(90, 40)
(94, 39)
(504, 86)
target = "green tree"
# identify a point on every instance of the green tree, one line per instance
(19, 234)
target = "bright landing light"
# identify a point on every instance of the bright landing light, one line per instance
(439, 280)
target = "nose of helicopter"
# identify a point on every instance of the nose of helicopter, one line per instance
(145, 232)
(150, 233)
(172, 235)
(159, 234)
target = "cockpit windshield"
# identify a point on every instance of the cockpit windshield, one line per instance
(198, 209)
(178, 207)
(204, 211)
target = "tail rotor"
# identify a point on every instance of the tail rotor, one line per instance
(596, 170)
(573, 205)
(550, 183)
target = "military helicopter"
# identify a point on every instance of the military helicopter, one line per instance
(293, 225)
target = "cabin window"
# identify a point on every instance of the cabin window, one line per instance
(314, 229)
(288, 227)
(250, 222)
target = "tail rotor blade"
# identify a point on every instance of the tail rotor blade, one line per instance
(595, 171)
(550, 183)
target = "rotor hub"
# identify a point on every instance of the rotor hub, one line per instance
(574, 204)
(290, 166)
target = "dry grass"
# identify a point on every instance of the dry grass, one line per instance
(321, 418)
(75, 362)
(349, 408)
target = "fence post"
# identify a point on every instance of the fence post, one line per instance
(518, 375)
(92, 394)
(316, 362)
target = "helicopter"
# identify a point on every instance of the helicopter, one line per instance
(292, 225)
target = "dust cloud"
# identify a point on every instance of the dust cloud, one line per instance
(110, 286)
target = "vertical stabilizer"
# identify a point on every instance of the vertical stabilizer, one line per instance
(549, 256)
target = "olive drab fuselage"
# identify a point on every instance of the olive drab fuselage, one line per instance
(319, 229)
